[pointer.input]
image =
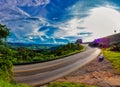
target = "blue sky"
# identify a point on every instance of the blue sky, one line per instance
(59, 21)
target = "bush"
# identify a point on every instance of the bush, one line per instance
(8, 84)
(68, 84)
(6, 63)
(115, 47)
(67, 49)
(93, 44)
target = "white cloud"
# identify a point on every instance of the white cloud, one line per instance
(102, 22)
(14, 3)
(70, 28)
(21, 11)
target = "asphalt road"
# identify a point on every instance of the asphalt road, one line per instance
(42, 73)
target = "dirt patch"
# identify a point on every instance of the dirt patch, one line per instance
(95, 73)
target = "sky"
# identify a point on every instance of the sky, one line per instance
(59, 21)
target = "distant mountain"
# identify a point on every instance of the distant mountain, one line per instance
(30, 44)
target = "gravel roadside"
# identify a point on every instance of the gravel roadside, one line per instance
(95, 73)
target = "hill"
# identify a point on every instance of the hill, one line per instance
(107, 41)
(113, 38)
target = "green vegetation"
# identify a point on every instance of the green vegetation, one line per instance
(9, 56)
(4, 32)
(114, 58)
(68, 49)
(5, 67)
(6, 55)
(68, 84)
(5, 63)
(4, 83)
(23, 55)
(115, 46)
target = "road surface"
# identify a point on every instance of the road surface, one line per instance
(42, 73)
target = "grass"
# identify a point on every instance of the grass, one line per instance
(10, 83)
(68, 84)
(114, 58)
(60, 52)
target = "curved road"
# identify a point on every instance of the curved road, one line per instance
(42, 73)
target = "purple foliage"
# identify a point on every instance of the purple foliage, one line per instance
(98, 40)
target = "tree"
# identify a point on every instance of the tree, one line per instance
(6, 63)
(4, 32)
(5, 55)
(79, 41)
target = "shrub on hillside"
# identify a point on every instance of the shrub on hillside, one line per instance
(115, 46)
(93, 44)
(68, 84)
(66, 49)
(5, 63)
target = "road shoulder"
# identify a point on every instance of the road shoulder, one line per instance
(95, 73)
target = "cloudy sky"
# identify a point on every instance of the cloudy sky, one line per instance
(59, 21)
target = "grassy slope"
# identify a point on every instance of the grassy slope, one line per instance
(71, 53)
(114, 58)
(113, 38)
(8, 84)
(68, 84)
